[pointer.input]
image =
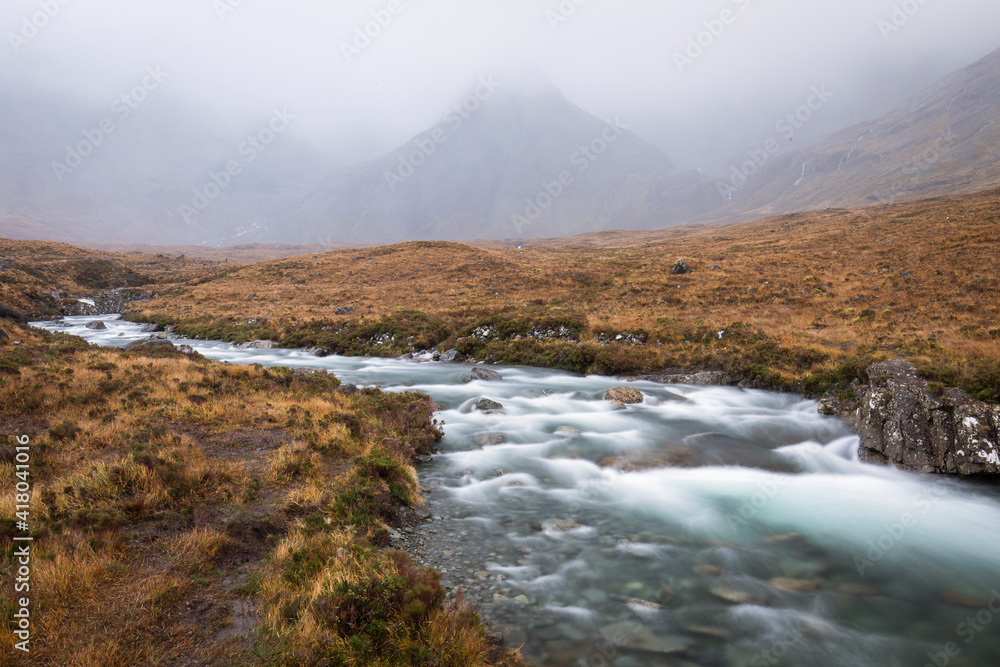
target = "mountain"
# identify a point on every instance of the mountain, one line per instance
(945, 140)
(510, 160)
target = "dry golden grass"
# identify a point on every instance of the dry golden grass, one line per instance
(167, 489)
(916, 280)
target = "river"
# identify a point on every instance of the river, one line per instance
(705, 526)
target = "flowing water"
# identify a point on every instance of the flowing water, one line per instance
(705, 526)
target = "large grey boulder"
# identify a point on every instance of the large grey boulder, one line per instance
(13, 314)
(903, 423)
(97, 325)
(484, 374)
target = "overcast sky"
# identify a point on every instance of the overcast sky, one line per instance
(229, 62)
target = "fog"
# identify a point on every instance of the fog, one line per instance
(229, 63)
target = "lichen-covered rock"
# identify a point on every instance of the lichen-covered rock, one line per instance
(903, 423)
(624, 395)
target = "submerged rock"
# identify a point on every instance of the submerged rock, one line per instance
(624, 395)
(568, 430)
(490, 439)
(638, 637)
(903, 423)
(560, 525)
(484, 374)
(737, 596)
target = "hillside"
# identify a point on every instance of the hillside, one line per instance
(796, 297)
(942, 141)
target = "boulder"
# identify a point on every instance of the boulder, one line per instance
(487, 404)
(450, 356)
(680, 268)
(149, 342)
(903, 423)
(484, 374)
(97, 325)
(624, 395)
(257, 345)
(13, 314)
(3, 335)
(345, 310)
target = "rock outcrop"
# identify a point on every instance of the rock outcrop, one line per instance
(903, 423)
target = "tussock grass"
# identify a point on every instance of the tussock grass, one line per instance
(169, 492)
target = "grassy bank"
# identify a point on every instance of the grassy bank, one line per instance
(802, 302)
(191, 512)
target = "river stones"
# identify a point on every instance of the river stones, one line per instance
(97, 325)
(485, 404)
(638, 637)
(737, 595)
(567, 430)
(449, 356)
(795, 585)
(624, 395)
(560, 525)
(483, 374)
